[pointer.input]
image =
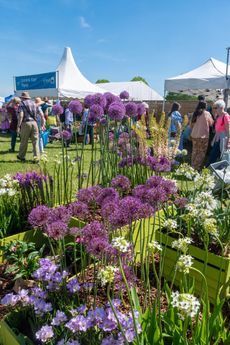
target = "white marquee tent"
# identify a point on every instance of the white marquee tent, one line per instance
(70, 81)
(138, 90)
(211, 75)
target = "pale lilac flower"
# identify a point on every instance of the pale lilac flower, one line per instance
(73, 285)
(45, 334)
(59, 318)
(10, 299)
(78, 323)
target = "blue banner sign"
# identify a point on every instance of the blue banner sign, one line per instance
(36, 81)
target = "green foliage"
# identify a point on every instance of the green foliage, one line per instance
(138, 78)
(174, 96)
(101, 81)
(21, 257)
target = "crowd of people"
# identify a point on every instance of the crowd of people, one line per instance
(208, 127)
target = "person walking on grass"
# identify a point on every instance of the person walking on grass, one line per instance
(200, 124)
(12, 110)
(27, 126)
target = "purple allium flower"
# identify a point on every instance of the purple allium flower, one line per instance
(116, 111)
(57, 230)
(140, 109)
(45, 334)
(30, 179)
(110, 98)
(89, 195)
(121, 182)
(103, 121)
(80, 210)
(59, 213)
(131, 109)
(154, 181)
(163, 164)
(74, 231)
(99, 99)
(124, 95)
(57, 109)
(39, 216)
(130, 207)
(88, 101)
(155, 196)
(145, 211)
(66, 135)
(95, 113)
(181, 202)
(73, 285)
(111, 136)
(59, 318)
(75, 107)
(10, 299)
(78, 323)
(140, 192)
(107, 195)
(169, 186)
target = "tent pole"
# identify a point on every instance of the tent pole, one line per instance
(226, 76)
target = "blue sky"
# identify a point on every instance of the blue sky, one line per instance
(111, 39)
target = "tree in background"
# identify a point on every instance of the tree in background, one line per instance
(101, 81)
(174, 96)
(138, 78)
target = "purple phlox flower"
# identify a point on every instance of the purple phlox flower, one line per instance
(40, 306)
(23, 296)
(57, 109)
(130, 335)
(10, 299)
(79, 209)
(96, 316)
(121, 182)
(73, 285)
(140, 109)
(95, 113)
(75, 107)
(60, 213)
(88, 101)
(110, 340)
(116, 111)
(89, 195)
(124, 95)
(66, 135)
(78, 323)
(39, 216)
(106, 195)
(45, 334)
(46, 270)
(99, 99)
(59, 318)
(56, 230)
(131, 109)
(181, 202)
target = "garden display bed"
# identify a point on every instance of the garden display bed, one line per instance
(215, 268)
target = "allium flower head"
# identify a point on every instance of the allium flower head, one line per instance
(99, 99)
(89, 195)
(45, 334)
(39, 216)
(95, 113)
(131, 109)
(57, 109)
(121, 244)
(182, 244)
(184, 263)
(154, 246)
(181, 202)
(80, 210)
(59, 213)
(66, 135)
(106, 195)
(185, 170)
(186, 304)
(107, 275)
(116, 111)
(140, 109)
(57, 230)
(204, 181)
(205, 200)
(110, 98)
(75, 107)
(124, 95)
(121, 182)
(88, 101)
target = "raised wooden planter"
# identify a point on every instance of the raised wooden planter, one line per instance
(215, 268)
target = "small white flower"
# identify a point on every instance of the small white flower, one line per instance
(187, 304)
(172, 141)
(107, 275)
(184, 263)
(170, 224)
(182, 244)
(154, 246)
(121, 244)
(184, 152)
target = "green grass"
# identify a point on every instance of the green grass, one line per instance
(9, 164)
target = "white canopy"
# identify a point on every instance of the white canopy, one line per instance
(138, 90)
(209, 76)
(70, 81)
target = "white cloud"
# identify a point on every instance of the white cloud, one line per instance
(83, 23)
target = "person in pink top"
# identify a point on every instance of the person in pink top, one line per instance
(200, 124)
(221, 141)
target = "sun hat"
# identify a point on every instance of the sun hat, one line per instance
(38, 101)
(16, 100)
(145, 105)
(25, 95)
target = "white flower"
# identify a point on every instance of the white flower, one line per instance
(178, 152)
(206, 201)
(184, 152)
(172, 141)
(170, 224)
(107, 274)
(184, 263)
(210, 226)
(186, 170)
(182, 244)
(121, 244)
(204, 181)
(187, 304)
(154, 246)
